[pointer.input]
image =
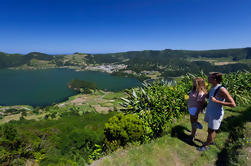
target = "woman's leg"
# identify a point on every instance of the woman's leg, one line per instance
(210, 137)
(193, 119)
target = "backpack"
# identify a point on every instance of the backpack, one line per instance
(215, 92)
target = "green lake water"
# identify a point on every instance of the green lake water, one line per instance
(45, 87)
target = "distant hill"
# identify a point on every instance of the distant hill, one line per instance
(168, 62)
(39, 56)
(10, 60)
(177, 62)
(164, 56)
(14, 60)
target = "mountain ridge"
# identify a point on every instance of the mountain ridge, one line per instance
(168, 62)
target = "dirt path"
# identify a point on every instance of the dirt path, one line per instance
(224, 63)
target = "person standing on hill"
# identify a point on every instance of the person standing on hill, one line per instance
(217, 98)
(196, 101)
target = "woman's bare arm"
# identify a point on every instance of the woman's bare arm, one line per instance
(229, 101)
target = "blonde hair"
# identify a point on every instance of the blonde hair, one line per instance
(199, 85)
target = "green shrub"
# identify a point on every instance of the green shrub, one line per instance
(8, 132)
(71, 139)
(237, 83)
(36, 110)
(122, 129)
(239, 86)
(15, 111)
(82, 86)
(10, 142)
(156, 104)
(55, 112)
(76, 138)
(159, 103)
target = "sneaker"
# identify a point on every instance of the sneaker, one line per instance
(203, 148)
(212, 143)
(198, 125)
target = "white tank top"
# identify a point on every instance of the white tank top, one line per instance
(214, 109)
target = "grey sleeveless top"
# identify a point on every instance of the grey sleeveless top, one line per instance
(214, 109)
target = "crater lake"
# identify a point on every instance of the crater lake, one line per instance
(48, 86)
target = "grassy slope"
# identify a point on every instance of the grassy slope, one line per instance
(247, 149)
(172, 149)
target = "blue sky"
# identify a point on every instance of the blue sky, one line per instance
(101, 26)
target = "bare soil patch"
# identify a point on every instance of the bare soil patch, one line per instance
(224, 63)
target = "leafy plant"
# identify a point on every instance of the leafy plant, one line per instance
(122, 129)
(97, 152)
(156, 104)
(239, 86)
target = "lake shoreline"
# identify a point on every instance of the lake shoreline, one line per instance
(26, 86)
(80, 69)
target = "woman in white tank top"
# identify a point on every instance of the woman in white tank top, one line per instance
(215, 112)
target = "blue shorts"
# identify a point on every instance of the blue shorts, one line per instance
(192, 111)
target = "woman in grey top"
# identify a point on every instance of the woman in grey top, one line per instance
(214, 111)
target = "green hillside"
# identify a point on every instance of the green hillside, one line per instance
(178, 62)
(15, 60)
(10, 60)
(149, 127)
(160, 57)
(169, 63)
(173, 149)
